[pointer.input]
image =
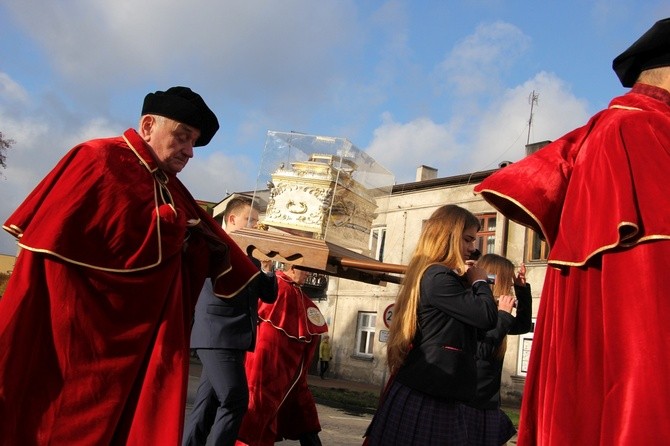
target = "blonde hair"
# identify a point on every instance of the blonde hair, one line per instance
(504, 272)
(439, 242)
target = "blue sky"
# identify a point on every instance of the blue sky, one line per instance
(441, 83)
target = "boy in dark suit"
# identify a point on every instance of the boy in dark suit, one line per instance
(223, 331)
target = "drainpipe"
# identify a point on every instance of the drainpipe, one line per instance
(505, 232)
(404, 232)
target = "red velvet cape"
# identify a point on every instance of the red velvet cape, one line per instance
(280, 403)
(95, 321)
(599, 367)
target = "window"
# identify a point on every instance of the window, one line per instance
(525, 343)
(377, 239)
(537, 249)
(365, 334)
(486, 237)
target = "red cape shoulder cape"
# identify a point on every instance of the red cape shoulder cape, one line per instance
(592, 168)
(81, 212)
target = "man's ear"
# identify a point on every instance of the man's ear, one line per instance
(147, 123)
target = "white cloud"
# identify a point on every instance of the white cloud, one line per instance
(402, 147)
(502, 130)
(475, 65)
(280, 46)
(10, 91)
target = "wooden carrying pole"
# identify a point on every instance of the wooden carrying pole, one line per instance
(372, 266)
(316, 255)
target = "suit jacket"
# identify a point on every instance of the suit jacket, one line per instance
(231, 322)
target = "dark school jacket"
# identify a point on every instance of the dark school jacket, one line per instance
(442, 360)
(489, 367)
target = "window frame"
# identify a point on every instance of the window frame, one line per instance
(377, 242)
(532, 238)
(485, 234)
(370, 330)
(523, 352)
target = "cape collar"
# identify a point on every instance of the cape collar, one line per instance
(658, 93)
(141, 149)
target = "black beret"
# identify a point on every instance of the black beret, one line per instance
(652, 50)
(183, 105)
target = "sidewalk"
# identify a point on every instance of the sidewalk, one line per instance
(314, 380)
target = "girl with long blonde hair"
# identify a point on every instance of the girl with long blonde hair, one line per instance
(444, 299)
(487, 424)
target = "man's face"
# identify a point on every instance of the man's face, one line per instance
(172, 142)
(297, 275)
(247, 218)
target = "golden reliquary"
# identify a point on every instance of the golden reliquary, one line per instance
(322, 196)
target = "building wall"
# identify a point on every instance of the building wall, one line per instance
(7, 263)
(345, 300)
(6, 268)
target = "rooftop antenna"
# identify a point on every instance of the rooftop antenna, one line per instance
(532, 100)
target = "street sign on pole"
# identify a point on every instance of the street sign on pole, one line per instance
(388, 314)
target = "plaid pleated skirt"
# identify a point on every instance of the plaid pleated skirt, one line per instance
(408, 417)
(488, 427)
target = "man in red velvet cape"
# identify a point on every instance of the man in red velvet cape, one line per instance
(280, 403)
(599, 368)
(95, 321)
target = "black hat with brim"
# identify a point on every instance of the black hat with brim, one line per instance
(652, 50)
(183, 105)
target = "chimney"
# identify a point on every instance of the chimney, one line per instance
(425, 173)
(534, 147)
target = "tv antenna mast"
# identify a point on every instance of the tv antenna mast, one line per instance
(532, 100)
